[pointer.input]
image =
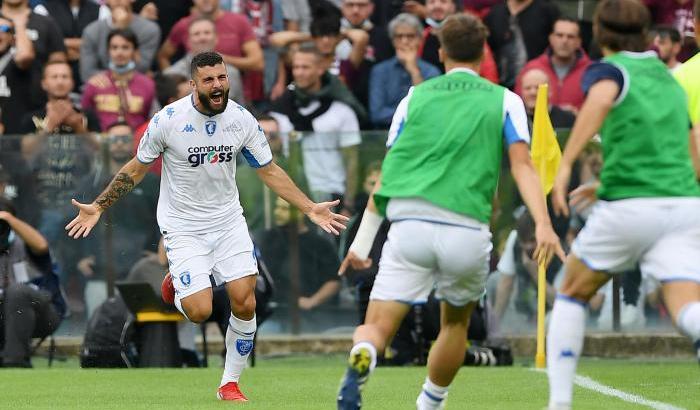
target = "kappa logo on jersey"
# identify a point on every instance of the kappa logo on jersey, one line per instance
(210, 154)
(170, 111)
(156, 118)
(210, 126)
(188, 128)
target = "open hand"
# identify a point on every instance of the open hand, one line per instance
(81, 225)
(330, 222)
(353, 261)
(584, 196)
(548, 245)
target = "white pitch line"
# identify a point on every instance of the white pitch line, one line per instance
(590, 384)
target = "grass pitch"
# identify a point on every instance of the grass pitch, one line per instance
(310, 382)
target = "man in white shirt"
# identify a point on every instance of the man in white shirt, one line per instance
(329, 125)
(199, 213)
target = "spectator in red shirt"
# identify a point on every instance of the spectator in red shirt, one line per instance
(564, 62)
(120, 94)
(236, 43)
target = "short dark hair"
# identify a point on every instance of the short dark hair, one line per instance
(205, 59)
(668, 32)
(126, 34)
(265, 117)
(525, 227)
(309, 47)
(462, 38)
(166, 87)
(55, 62)
(567, 19)
(325, 26)
(621, 25)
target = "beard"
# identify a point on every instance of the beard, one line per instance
(208, 105)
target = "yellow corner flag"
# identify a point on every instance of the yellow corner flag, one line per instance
(546, 155)
(545, 150)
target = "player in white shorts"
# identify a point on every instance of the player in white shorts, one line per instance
(438, 180)
(649, 193)
(199, 212)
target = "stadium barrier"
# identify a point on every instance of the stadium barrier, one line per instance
(42, 173)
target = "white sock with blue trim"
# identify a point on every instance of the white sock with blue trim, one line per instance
(564, 343)
(688, 321)
(239, 343)
(432, 396)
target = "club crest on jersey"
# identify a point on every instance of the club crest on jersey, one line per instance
(210, 126)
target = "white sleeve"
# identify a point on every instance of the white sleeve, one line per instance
(400, 117)
(506, 265)
(256, 148)
(152, 143)
(349, 126)
(514, 119)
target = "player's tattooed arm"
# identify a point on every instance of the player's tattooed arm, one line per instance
(121, 185)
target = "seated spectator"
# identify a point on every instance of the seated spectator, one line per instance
(677, 14)
(319, 107)
(95, 55)
(518, 33)
(46, 38)
(120, 94)
(390, 80)
(71, 17)
(356, 15)
(202, 37)
(15, 77)
(318, 261)
(667, 42)
(60, 149)
(133, 227)
(436, 12)
(236, 42)
(517, 265)
(30, 298)
(564, 62)
(326, 34)
(529, 83)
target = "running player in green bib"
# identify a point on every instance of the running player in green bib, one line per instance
(648, 197)
(438, 181)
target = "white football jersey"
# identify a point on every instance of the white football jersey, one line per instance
(198, 190)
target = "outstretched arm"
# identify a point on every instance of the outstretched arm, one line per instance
(274, 177)
(126, 179)
(529, 186)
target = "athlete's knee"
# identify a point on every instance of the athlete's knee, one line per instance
(198, 313)
(244, 306)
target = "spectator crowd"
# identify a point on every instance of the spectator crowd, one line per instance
(80, 79)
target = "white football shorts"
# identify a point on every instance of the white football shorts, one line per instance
(227, 255)
(662, 235)
(420, 255)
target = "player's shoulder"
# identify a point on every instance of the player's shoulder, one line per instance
(238, 112)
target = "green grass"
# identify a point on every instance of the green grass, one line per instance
(310, 382)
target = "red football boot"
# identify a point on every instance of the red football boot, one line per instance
(167, 290)
(230, 391)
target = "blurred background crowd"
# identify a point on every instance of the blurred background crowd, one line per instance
(80, 79)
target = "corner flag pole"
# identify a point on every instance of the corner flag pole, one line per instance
(546, 155)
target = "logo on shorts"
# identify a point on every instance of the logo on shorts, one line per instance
(185, 278)
(244, 346)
